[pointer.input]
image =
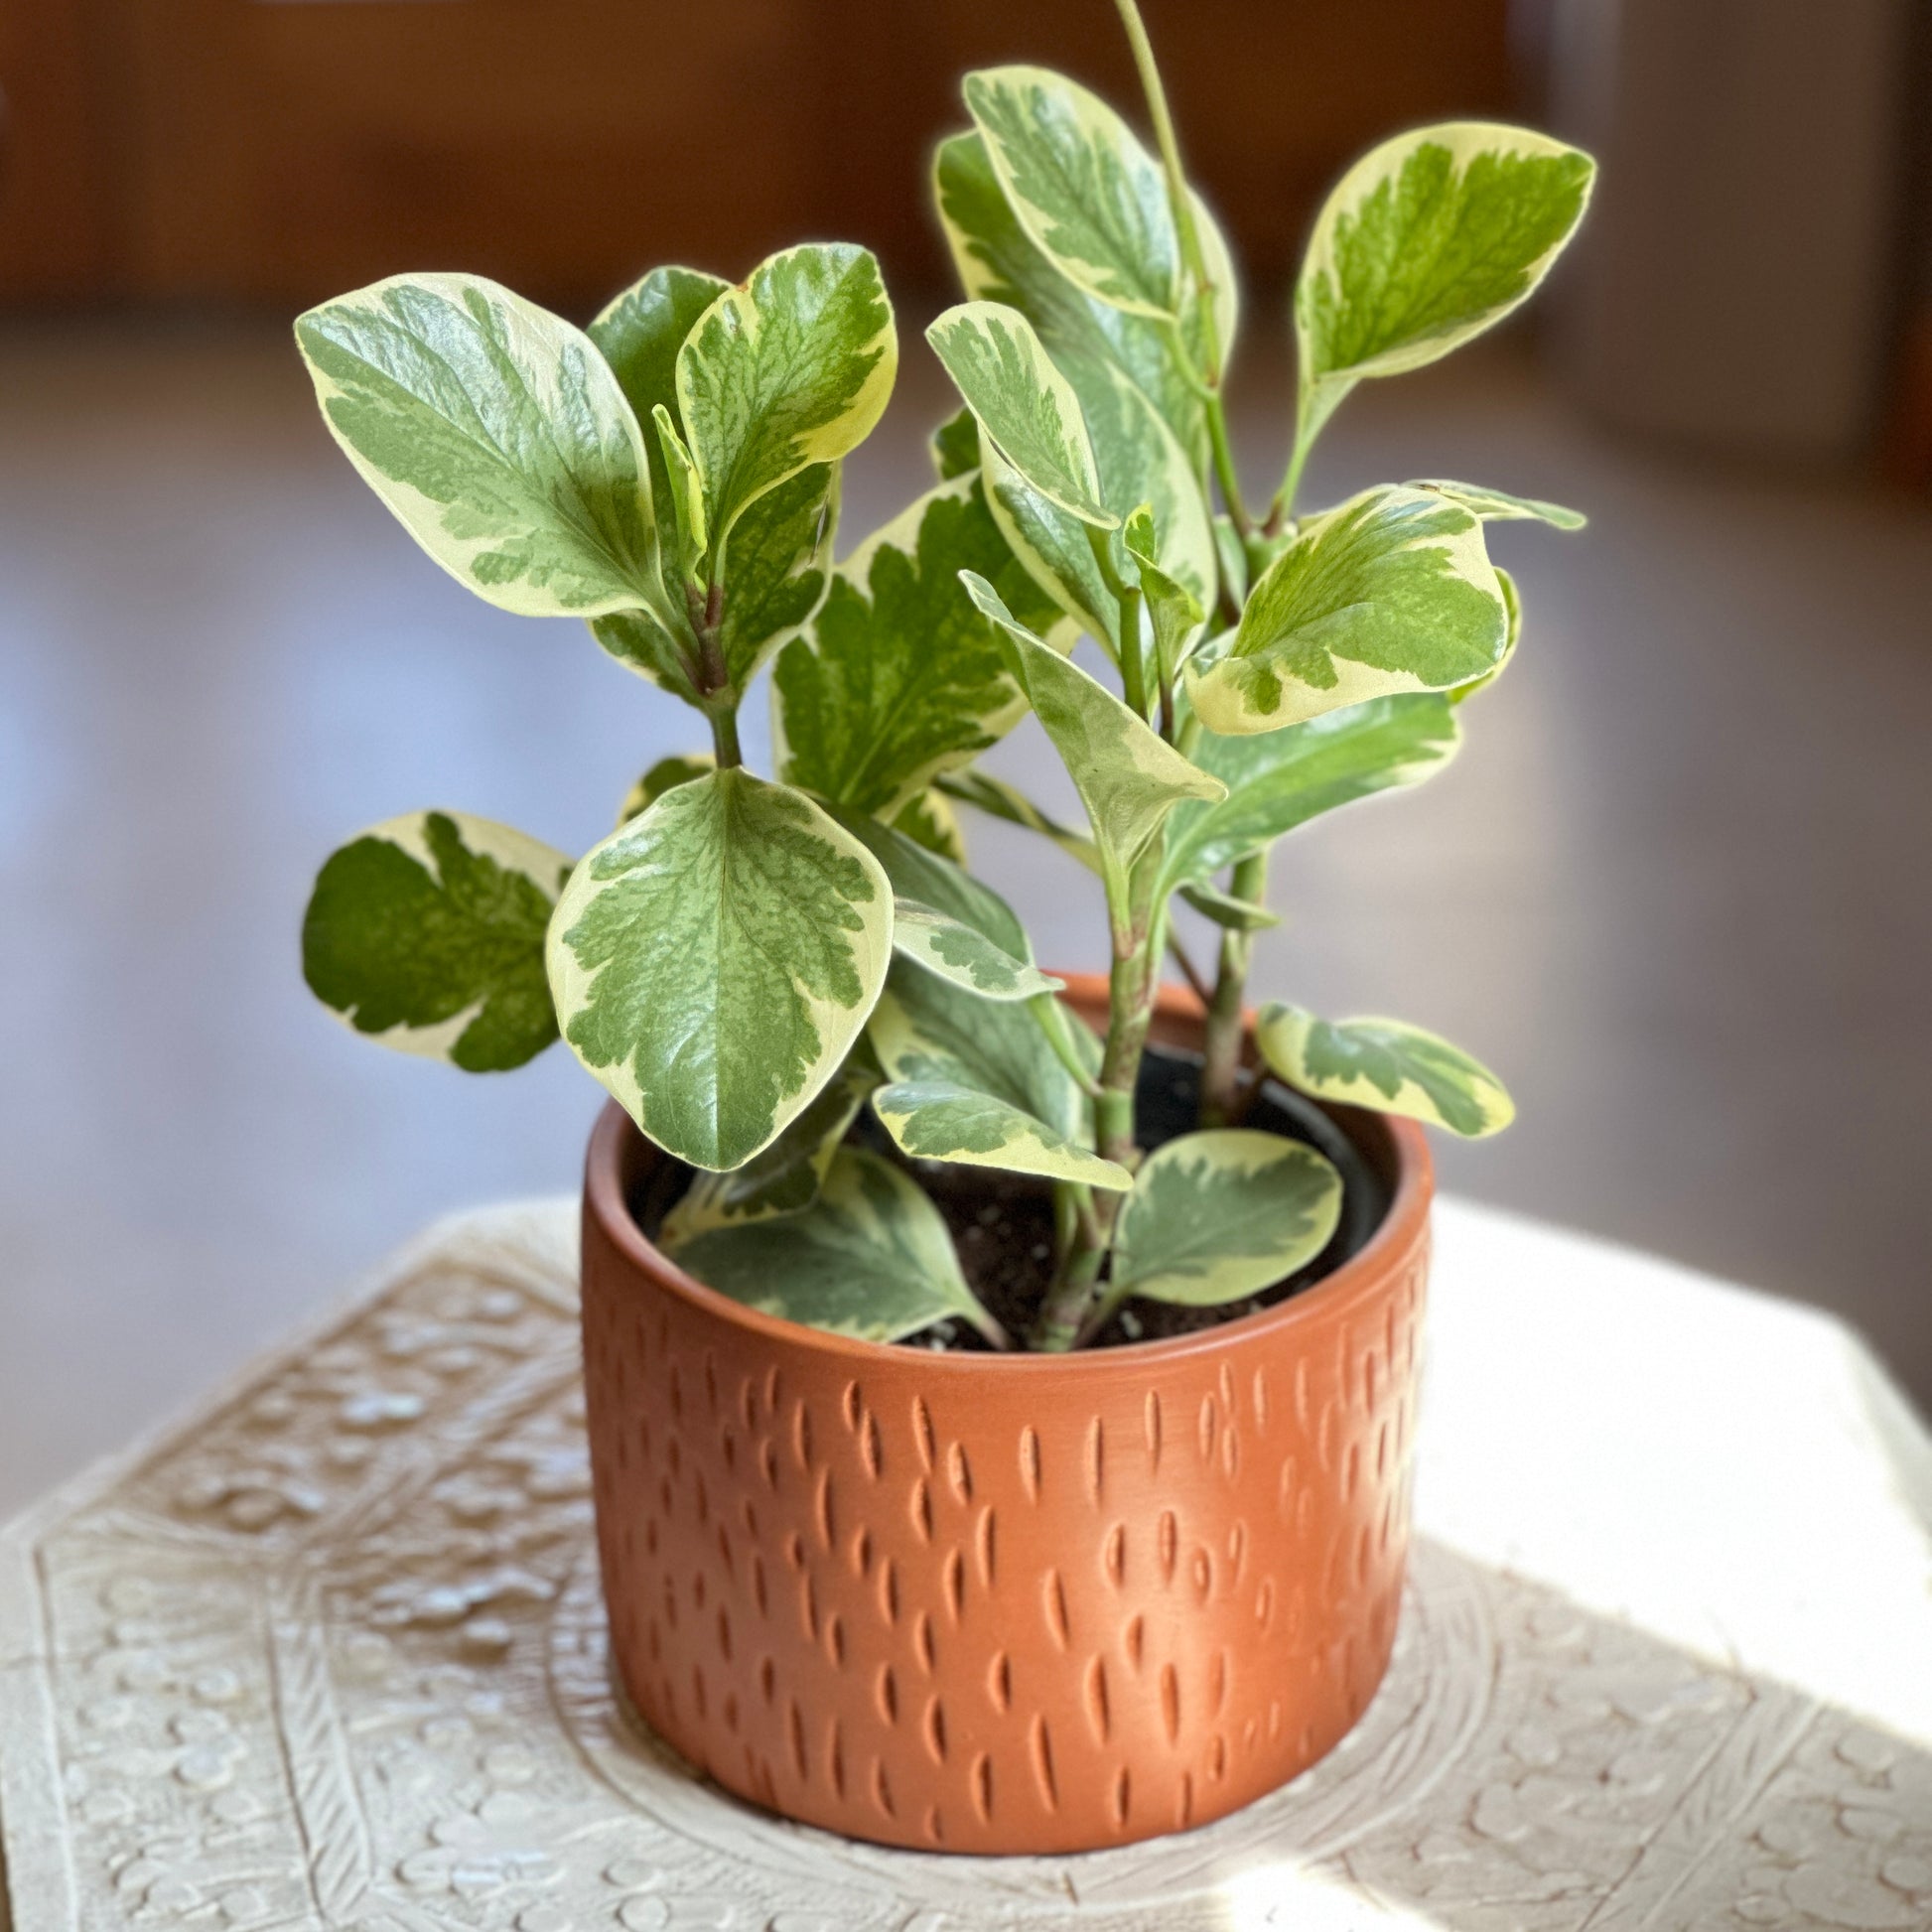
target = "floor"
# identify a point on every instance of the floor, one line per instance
(1668, 890)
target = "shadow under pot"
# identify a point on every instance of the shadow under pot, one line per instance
(1003, 1604)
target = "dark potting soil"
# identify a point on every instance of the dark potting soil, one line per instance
(1003, 1224)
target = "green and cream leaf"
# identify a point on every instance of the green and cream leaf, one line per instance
(1499, 506)
(1225, 910)
(1277, 780)
(790, 368)
(1513, 602)
(1392, 591)
(714, 960)
(931, 877)
(1128, 777)
(998, 261)
(929, 820)
(1174, 608)
(426, 933)
(998, 800)
(939, 1119)
(1086, 191)
(901, 678)
(640, 334)
(784, 1176)
(1428, 241)
(870, 1258)
(678, 769)
(499, 436)
(1218, 1215)
(1024, 403)
(964, 955)
(1386, 1066)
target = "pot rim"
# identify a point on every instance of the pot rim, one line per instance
(1359, 1278)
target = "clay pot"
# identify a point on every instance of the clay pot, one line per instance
(1003, 1604)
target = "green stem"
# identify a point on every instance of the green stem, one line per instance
(1045, 1008)
(1221, 1065)
(724, 735)
(1224, 470)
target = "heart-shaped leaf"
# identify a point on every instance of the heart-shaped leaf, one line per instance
(964, 955)
(1428, 241)
(870, 1258)
(1385, 1065)
(1024, 403)
(1499, 506)
(931, 879)
(1392, 591)
(1277, 780)
(497, 435)
(998, 261)
(785, 1175)
(1090, 196)
(940, 1120)
(1129, 778)
(640, 334)
(901, 678)
(790, 368)
(714, 960)
(1217, 1215)
(427, 933)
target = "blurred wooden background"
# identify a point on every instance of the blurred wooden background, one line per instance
(278, 151)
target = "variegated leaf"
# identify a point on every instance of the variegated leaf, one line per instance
(792, 368)
(778, 569)
(964, 955)
(1024, 403)
(785, 1175)
(1141, 464)
(1277, 780)
(1090, 196)
(426, 933)
(940, 1120)
(1512, 600)
(901, 678)
(1428, 241)
(1392, 591)
(714, 960)
(497, 435)
(1174, 608)
(685, 494)
(1128, 777)
(928, 1033)
(1386, 1066)
(998, 261)
(929, 820)
(998, 800)
(1222, 1214)
(870, 1258)
(639, 333)
(955, 446)
(678, 769)
(918, 873)
(1499, 506)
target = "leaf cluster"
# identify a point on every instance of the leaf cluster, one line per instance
(748, 963)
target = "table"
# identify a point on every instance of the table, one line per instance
(331, 1651)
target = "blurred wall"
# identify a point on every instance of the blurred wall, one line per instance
(283, 150)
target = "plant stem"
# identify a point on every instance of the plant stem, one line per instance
(724, 735)
(1224, 470)
(1222, 1068)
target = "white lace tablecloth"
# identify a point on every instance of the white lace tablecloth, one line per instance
(330, 1653)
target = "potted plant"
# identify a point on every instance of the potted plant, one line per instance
(999, 1418)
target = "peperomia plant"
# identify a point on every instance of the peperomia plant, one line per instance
(747, 964)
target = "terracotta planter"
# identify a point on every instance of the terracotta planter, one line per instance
(1003, 1604)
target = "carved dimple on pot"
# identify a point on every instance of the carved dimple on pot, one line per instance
(1093, 1460)
(999, 1682)
(723, 1634)
(710, 1380)
(1133, 1640)
(1166, 1543)
(983, 1545)
(822, 1511)
(767, 1678)
(1171, 1702)
(1030, 1463)
(1217, 1684)
(955, 1574)
(801, 1436)
(1200, 1571)
(851, 1405)
(1099, 1710)
(885, 1691)
(871, 1449)
(959, 1472)
(1041, 1745)
(1352, 1472)
(862, 1553)
(1258, 1399)
(1302, 1409)
(1207, 1427)
(919, 1508)
(1123, 1797)
(1113, 1556)
(768, 1462)
(981, 1786)
(1151, 1429)
(881, 1789)
(933, 1729)
(835, 1641)
(795, 1735)
(1265, 1602)
(747, 1404)
(889, 1592)
(922, 1643)
(1053, 1604)
(808, 1607)
(835, 1756)
(923, 1440)
(758, 1585)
